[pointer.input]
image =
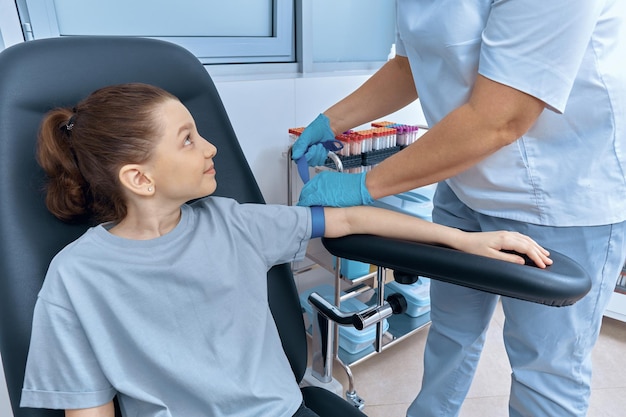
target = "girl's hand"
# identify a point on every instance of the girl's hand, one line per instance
(496, 244)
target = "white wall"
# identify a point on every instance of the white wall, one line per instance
(262, 111)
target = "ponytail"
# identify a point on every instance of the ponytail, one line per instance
(65, 189)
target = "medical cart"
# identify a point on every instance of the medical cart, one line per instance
(356, 286)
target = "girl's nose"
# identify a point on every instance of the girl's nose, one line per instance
(210, 150)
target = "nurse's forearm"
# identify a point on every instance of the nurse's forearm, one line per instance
(450, 147)
(495, 116)
(388, 90)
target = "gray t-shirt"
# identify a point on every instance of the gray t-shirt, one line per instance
(174, 326)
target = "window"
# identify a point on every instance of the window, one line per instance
(351, 33)
(308, 35)
(216, 31)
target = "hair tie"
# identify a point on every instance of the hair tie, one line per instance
(70, 123)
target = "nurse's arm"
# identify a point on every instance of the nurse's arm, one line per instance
(494, 116)
(106, 410)
(387, 223)
(388, 90)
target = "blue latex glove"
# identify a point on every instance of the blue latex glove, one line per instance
(335, 189)
(316, 155)
(317, 131)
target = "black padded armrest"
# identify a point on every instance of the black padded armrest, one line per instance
(561, 284)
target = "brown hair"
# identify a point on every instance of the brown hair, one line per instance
(82, 149)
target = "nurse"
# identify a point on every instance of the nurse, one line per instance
(526, 101)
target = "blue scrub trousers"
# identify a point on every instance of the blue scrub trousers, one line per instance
(549, 348)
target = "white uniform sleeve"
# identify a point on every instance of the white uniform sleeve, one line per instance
(537, 46)
(400, 49)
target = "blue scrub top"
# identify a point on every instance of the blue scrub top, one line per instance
(569, 169)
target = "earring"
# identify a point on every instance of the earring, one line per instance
(150, 189)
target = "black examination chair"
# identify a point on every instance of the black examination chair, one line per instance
(39, 75)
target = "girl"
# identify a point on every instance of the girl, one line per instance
(140, 306)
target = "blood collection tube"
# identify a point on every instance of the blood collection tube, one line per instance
(294, 133)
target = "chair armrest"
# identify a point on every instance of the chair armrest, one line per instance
(561, 284)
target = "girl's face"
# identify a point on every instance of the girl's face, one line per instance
(182, 161)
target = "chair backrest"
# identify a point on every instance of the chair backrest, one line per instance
(39, 75)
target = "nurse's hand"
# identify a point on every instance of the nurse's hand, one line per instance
(508, 246)
(335, 189)
(308, 143)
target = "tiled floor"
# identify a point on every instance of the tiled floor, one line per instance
(389, 381)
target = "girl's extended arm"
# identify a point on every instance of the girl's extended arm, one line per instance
(106, 410)
(387, 223)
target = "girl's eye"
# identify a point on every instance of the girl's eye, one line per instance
(188, 141)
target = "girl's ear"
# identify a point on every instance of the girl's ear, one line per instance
(135, 180)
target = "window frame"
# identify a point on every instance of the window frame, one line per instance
(40, 17)
(288, 52)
